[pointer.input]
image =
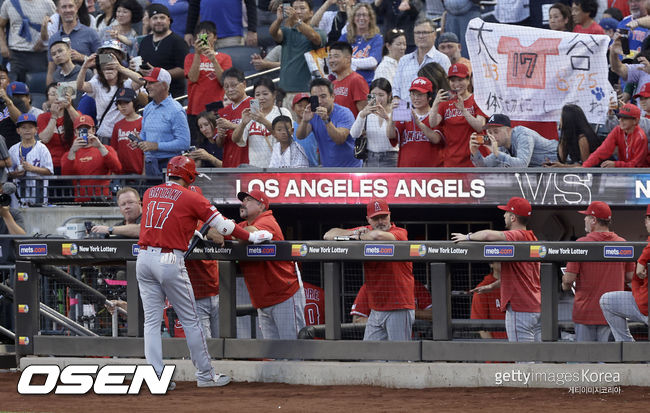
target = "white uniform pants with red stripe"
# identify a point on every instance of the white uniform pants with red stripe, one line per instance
(522, 326)
(283, 321)
(395, 325)
(618, 307)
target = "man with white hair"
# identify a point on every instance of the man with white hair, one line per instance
(165, 132)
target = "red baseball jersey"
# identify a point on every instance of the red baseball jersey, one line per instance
(208, 87)
(89, 161)
(169, 216)
(520, 280)
(315, 304)
(55, 145)
(486, 306)
(415, 149)
(350, 90)
(595, 279)
(269, 282)
(640, 286)
(233, 154)
(361, 307)
(131, 158)
(457, 131)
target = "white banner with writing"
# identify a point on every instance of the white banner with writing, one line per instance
(529, 73)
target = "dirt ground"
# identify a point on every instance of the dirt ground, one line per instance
(266, 397)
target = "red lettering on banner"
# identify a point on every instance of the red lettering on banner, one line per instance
(527, 65)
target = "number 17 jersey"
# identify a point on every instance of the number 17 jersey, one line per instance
(169, 215)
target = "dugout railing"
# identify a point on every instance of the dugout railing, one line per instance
(32, 254)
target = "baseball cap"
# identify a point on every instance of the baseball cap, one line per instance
(608, 23)
(629, 111)
(125, 94)
(114, 45)
(157, 8)
(17, 88)
(448, 37)
(257, 195)
(83, 120)
(498, 119)
(458, 70)
(518, 206)
(158, 74)
(26, 118)
(421, 84)
(377, 207)
(644, 92)
(598, 209)
(299, 97)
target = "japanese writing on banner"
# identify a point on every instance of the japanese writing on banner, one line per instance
(529, 73)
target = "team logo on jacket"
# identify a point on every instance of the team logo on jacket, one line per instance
(379, 250)
(418, 250)
(260, 251)
(610, 251)
(298, 250)
(537, 251)
(499, 251)
(32, 250)
(69, 249)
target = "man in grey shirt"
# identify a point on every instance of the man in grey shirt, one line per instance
(511, 147)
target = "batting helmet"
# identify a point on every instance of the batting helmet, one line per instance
(182, 167)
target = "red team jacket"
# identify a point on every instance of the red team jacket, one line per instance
(89, 161)
(233, 154)
(640, 286)
(486, 306)
(632, 149)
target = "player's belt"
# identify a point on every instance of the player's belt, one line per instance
(156, 249)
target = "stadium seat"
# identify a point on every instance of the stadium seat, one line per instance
(241, 57)
(36, 82)
(38, 99)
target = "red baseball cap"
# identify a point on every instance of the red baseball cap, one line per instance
(644, 92)
(299, 97)
(158, 74)
(83, 120)
(629, 111)
(518, 206)
(421, 84)
(598, 209)
(458, 70)
(257, 195)
(377, 207)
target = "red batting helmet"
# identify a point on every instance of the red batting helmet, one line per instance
(182, 167)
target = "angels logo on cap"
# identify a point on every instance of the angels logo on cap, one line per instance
(419, 81)
(377, 206)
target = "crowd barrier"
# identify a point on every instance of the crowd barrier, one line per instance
(36, 255)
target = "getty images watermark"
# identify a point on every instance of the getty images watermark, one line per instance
(582, 381)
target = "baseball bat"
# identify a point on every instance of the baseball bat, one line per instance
(195, 240)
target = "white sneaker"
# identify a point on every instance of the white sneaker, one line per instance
(217, 381)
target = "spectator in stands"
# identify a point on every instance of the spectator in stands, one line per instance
(127, 14)
(331, 125)
(8, 111)
(511, 147)
(616, 13)
(578, 139)
(234, 86)
(350, 88)
(560, 18)
(5, 160)
(208, 153)
(297, 37)
(66, 70)
(609, 25)
(12, 223)
(165, 132)
(19, 92)
(254, 131)
(637, 33)
(459, 13)
(204, 69)
(593, 279)
(227, 15)
(644, 122)
(287, 153)
(449, 45)
(519, 281)
(333, 23)
(513, 11)
(485, 303)
(425, 40)
(125, 132)
(88, 156)
(178, 10)
(273, 286)
(372, 119)
(30, 158)
(128, 200)
(400, 14)
(107, 17)
(436, 74)
(103, 87)
(363, 35)
(309, 144)
(25, 49)
(457, 115)
(583, 13)
(627, 137)
(389, 285)
(419, 145)
(620, 306)
(393, 51)
(50, 27)
(83, 40)
(270, 61)
(164, 48)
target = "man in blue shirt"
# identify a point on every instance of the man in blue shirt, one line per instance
(331, 125)
(165, 132)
